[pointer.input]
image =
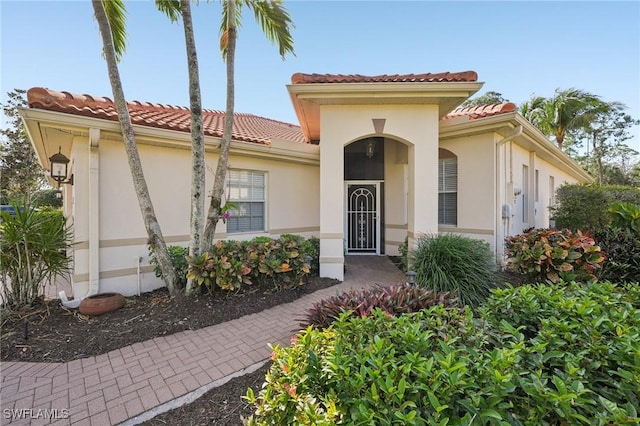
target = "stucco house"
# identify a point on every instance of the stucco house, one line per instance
(374, 160)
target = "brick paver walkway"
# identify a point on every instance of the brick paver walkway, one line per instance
(134, 383)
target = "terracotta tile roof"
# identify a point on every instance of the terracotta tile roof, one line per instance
(300, 78)
(482, 111)
(246, 127)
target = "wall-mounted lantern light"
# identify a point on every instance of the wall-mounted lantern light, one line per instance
(59, 164)
(370, 147)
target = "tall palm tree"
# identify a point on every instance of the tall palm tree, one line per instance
(110, 15)
(566, 111)
(174, 9)
(534, 111)
(276, 24)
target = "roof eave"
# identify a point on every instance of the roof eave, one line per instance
(307, 97)
(504, 124)
(37, 119)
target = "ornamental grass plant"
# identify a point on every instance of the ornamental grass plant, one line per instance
(462, 266)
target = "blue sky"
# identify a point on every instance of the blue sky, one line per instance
(517, 48)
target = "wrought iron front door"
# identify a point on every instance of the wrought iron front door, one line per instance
(362, 218)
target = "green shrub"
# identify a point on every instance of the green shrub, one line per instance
(230, 264)
(626, 216)
(583, 334)
(33, 248)
(226, 266)
(293, 381)
(627, 194)
(46, 198)
(623, 255)
(393, 299)
(549, 254)
(278, 261)
(573, 362)
(581, 206)
(403, 249)
(453, 263)
(178, 255)
(311, 249)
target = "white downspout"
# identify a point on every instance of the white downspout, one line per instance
(94, 222)
(501, 235)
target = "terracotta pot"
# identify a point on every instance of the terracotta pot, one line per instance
(99, 304)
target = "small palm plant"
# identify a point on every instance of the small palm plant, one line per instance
(33, 247)
(456, 264)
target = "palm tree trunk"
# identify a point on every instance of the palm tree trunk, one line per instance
(221, 170)
(559, 139)
(154, 233)
(197, 140)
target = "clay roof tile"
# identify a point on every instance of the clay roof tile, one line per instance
(481, 111)
(246, 127)
(301, 78)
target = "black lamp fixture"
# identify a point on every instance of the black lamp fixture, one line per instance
(370, 147)
(59, 165)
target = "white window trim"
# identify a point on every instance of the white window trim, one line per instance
(265, 222)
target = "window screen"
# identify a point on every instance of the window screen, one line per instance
(246, 189)
(448, 191)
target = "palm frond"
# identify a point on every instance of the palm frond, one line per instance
(116, 13)
(225, 24)
(171, 8)
(275, 22)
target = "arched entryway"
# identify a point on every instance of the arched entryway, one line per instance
(364, 172)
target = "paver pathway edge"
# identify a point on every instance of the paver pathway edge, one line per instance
(127, 385)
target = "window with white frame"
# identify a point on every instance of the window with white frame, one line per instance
(447, 188)
(246, 189)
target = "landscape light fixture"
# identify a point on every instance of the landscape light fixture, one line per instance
(370, 147)
(59, 164)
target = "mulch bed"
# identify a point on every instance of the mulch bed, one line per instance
(49, 332)
(220, 406)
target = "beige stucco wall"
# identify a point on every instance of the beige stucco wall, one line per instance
(548, 176)
(292, 206)
(476, 186)
(490, 175)
(396, 159)
(414, 125)
(302, 197)
(518, 158)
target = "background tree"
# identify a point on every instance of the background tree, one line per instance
(568, 110)
(110, 15)
(20, 172)
(46, 198)
(276, 24)
(634, 175)
(607, 132)
(489, 98)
